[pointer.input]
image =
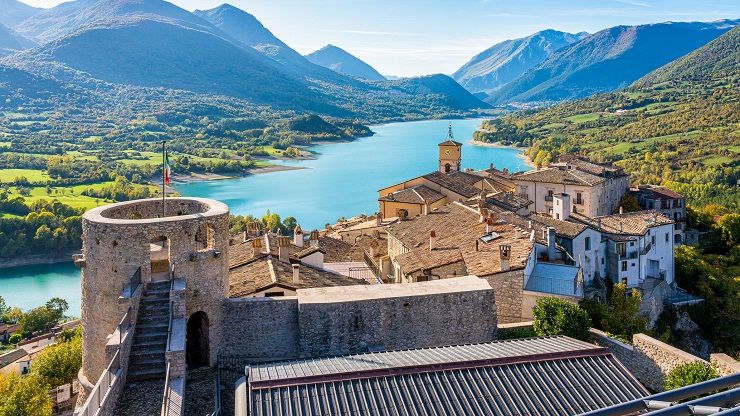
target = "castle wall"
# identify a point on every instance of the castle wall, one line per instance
(116, 243)
(347, 320)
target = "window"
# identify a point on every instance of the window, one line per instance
(557, 216)
(650, 205)
(549, 193)
(549, 211)
(632, 243)
(274, 294)
(579, 198)
(666, 237)
(602, 260)
(587, 243)
(447, 168)
(622, 251)
(652, 239)
(624, 266)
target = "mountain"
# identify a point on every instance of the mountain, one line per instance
(505, 61)
(11, 42)
(608, 60)
(12, 12)
(718, 59)
(72, 16)
(339, 60)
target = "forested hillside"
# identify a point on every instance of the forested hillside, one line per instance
(678, 126)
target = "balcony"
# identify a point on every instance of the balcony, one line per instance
(646, 249)
(630, 255)
(548, 198)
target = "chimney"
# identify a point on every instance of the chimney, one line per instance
(551, 243)
(476, 244)
(505, 255)
(378, 221)
(489, 225)
(561, 206)
(245, 237)
(621, 210)
(490, 166)
(256, 247)
(283, 249)
(432, 240)
(529, 224)
(313, 238)
(483, 212)
(518, 233)
(298, 236)
(296, 274)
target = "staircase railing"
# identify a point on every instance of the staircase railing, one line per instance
(166, 396)
(100, 393)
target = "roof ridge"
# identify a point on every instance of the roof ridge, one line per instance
(355, 374)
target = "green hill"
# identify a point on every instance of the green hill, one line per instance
(678, 126)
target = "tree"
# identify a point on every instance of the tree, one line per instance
(623, 319)
(729, 226)
(12, 315)
(43, 318)
(689, 373)
(554, 316)
(3, 308)
(628, 203)
(58, 364)
(24, 396)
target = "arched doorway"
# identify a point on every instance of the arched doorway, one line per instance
(196, 349)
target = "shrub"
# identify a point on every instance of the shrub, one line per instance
(58, 364)
(15, 338)
(517, 332)
(553, 316)
(24, 395)
(689, 373)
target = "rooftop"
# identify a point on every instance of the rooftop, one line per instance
(628, 223)
(419, 194)
(459, 182)
(543, 376)
(560, 175)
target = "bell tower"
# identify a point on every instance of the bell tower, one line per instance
(450, 154)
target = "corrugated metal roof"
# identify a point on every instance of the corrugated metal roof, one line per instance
(546, 376)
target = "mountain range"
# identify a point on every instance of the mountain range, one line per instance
(505, 61)
(11, 42)
(608, 60)
(339, 60)
(13, 12)
(223, 51)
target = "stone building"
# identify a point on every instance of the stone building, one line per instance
(669, 203)
(165, 289)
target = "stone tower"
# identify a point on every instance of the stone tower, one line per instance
(187, 239)
(450, 154)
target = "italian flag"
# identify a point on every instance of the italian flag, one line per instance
(167, 171)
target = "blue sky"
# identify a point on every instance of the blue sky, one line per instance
(414, 37)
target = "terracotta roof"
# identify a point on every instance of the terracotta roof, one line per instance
(458, 228)
(419, 194)
(339, 251)
(560, 175)
(12, 356)
(448, 219)
(629, 223)
(563, 228)
(458, 182)
(508, 200)
(450, 143)
(585, 165)
(658, 192)
(268, 271)
(307, 252)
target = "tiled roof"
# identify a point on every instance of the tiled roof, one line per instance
(12, 356)
(629, 223)
(560, 175)
(563, 228)
(268, 271)
(338, 251)
(450, 143)
(419, 194)
(457, 228)
(542, 376)
(658, 192)
(307, 251)
(508, 200)
(458, 182)
(586, 165)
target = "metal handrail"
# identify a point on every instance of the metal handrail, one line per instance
(96, 400)
(217, 393)
(166, 397)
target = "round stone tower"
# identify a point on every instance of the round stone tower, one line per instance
(187, 235)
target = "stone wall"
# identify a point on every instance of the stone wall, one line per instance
(507, 289)
(261, 329)
(346, 320)
(650, 360)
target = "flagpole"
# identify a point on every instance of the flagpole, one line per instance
(164, 168)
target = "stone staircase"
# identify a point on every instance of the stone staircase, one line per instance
(147, 358)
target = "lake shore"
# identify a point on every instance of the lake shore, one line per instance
(524, 157)
(200, 177)
(36, 259)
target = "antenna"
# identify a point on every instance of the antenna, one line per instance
(449, 132)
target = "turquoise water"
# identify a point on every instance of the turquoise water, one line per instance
(344, 178)
(342, 181)
(31, 286)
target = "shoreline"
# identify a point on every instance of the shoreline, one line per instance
(37, 259)
(524, 157)
(201, 177)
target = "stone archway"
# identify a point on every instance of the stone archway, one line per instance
(196, 349)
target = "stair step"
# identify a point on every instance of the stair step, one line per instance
(142, 344)
(153, 326)
(152, 361)
(147, 353)
(145, 374)
(148, 339)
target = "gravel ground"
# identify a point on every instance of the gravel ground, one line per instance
(199, 390)
(140, 398)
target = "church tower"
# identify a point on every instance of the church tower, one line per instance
(450, 154)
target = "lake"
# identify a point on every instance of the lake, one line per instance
(342, 181)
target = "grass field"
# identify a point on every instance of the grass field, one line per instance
(582, 118)
(33, 175)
